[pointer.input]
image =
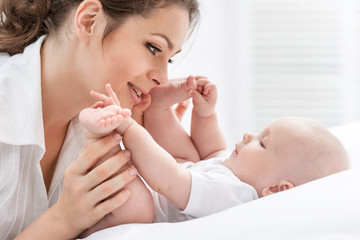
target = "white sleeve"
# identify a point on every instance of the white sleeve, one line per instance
(18, 186)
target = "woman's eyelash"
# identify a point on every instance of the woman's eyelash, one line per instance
(152, 48)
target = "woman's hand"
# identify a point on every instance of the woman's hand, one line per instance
(85, 196)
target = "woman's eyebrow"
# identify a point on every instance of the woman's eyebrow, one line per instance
(169, 43)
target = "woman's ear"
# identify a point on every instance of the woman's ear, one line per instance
(282, 186)
(87, 17)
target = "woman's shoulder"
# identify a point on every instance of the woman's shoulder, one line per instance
(20, 93)
(26, 58)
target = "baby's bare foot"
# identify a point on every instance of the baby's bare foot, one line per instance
(101, 121)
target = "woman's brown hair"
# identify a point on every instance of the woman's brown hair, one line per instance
(23, 21)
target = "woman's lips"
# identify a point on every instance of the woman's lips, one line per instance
(136, 90)
(134, 94)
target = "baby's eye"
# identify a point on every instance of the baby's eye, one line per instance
(262, 144)
(152, 48)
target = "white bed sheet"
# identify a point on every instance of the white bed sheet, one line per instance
(325, 209)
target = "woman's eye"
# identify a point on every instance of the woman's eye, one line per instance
(261, 144)
(152, 48)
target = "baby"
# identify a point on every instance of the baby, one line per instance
(288, 152)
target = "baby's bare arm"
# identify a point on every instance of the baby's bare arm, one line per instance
(167, 131)
(205, 130)
(164, 126)
(159, 169)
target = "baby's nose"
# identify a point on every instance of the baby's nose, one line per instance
(247, 137)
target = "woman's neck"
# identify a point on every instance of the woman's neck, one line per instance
(62, 96)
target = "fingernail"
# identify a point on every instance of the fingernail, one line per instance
(133, 172)
(116, 136)
(126, 192)
(127, 153)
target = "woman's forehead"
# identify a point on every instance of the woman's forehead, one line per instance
(173, 22)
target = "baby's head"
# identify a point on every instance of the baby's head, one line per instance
(287, 153)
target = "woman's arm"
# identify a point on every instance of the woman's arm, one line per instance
(84, 198)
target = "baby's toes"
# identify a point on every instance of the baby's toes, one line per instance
(108, 121)
(101, 123)
(125, 113)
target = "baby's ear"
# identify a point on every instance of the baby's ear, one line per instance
(281, 186)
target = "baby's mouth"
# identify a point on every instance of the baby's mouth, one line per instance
(137, 91)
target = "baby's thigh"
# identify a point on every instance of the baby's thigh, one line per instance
(139, 208)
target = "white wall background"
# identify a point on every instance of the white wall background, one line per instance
(274, 58)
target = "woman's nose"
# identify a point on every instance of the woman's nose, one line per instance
(159, 75)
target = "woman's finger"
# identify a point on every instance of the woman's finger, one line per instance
(98, 96)
(181, 109)
(93, 152)
(111, 204)
(112, 185)
(112, 94)
(106, 169)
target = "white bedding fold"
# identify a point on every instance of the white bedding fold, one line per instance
(324, 209)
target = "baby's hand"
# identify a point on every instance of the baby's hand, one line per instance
(204, 97)
(176, 91)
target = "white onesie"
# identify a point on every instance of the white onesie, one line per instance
(214, 187)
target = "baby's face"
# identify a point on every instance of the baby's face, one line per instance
(262, 159)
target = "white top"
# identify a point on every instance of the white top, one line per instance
(23, 195)
(214, 188)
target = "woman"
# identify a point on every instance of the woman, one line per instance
(53, 54)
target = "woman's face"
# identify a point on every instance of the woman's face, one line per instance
(134, 58)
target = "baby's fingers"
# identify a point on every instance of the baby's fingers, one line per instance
(191, 82)
(98, 104)
(210, 89)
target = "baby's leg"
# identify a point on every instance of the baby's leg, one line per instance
(139, 208)
(99, 122)
(176, 91)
